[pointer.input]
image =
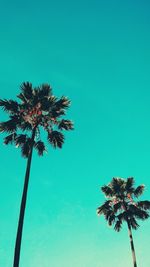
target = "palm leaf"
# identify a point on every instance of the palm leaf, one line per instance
(56, 139)
(66, 125)
(10, 106)
(135, 211)
(27, 90)
(25, 126)
(9, 139)
(22, 97)
(47, 103)
(118, 226)
(103, 209)
(45, 90)
(117, 206)
(108, 213)
(144, 205)
(20, 139)
(142, 215)
(26, 147)
(139, 190)
(60, 106)
(40, 147)
(123, 216)
(129, 185)
(8, 126)
(62, 103)
(117, 186)
(111, 219)
(54, 113)
(107, 190)
(133, 223)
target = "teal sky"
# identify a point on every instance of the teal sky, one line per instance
(96, 53)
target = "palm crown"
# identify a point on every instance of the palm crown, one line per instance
(38, 108)
(122, 204)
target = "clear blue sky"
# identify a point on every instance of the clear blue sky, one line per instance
(96, 53)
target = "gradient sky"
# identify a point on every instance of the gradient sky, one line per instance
(96, 53)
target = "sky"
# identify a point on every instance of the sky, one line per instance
(96, 53)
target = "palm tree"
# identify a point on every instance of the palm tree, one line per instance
(38, 109)
(122, 206)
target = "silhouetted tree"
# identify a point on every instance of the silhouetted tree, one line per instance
(38, 109)
(122, 206)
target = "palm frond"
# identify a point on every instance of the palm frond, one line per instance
(106, 189)
(117, 206)
(27, 90)
(35, 98)
(118, 226)
(123, 216)
(108, 214)
(9, 126)
(56, 139)
(135, 211)
(139, 191)
(142, 215)
(66, 125)
(60, 106)
(117, 185)
(20, 140)
(22, 97)
(25, 126)
(111, 219)
(45, 90)
(57, 113)
(10, 106)
(47, 104)
(144, 205)
(129, 185)
(133, 223)
(103, 209)
(40, 147)
(9, 139)
(62, 103)
(26, 147)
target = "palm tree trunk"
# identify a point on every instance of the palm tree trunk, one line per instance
(23, 205)
(132, 244)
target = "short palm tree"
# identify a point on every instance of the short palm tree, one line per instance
(37, 110)
(122, 206)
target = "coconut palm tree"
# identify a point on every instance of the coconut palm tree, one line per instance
(122, 206)
(37, 110)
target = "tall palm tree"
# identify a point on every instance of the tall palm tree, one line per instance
(38, 109)
(122, 206)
